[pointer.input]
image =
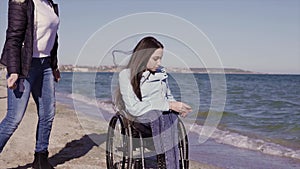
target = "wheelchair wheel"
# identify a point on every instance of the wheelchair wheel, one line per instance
(118, 145)
(183, 146)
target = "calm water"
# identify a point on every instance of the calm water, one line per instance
(262, 112)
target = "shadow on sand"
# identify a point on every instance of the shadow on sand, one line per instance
(74, 149)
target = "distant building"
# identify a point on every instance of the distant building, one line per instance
(79, 69)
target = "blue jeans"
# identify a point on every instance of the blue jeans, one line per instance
(40, 83)
(164, 134)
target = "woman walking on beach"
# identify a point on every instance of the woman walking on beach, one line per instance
(144, 93)
(30, 57)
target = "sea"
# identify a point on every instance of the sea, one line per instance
(256, 117)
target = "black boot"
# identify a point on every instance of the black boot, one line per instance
(41, 161)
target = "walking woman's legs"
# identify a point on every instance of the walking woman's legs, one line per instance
(43, 92)
(17, 101)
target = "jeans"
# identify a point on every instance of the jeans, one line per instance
(40, 83)
(164, 134)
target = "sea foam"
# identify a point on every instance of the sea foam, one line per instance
(240, 141)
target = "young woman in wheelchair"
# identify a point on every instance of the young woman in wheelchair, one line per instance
(145, 95)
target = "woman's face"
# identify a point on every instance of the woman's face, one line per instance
(155, 60)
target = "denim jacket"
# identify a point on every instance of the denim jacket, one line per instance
(154, 89)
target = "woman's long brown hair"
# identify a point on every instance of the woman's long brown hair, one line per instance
(138, 64)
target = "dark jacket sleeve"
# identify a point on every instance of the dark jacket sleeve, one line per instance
(54, 60)
(15, 34)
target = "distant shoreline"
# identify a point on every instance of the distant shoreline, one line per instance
(71, 68)
(238, 71)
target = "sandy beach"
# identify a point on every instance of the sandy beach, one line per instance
(71, 145)
(78, 139)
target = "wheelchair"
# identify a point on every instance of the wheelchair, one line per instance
(127, 148)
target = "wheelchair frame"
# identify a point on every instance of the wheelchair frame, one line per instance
(121, 156)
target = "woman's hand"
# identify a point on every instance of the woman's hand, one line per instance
(11, 81)
(56, 74)
(180, 107)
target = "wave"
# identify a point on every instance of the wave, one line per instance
(241, 141)
(282, 103)
(77, 100)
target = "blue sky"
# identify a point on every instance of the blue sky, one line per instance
(262, 36)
